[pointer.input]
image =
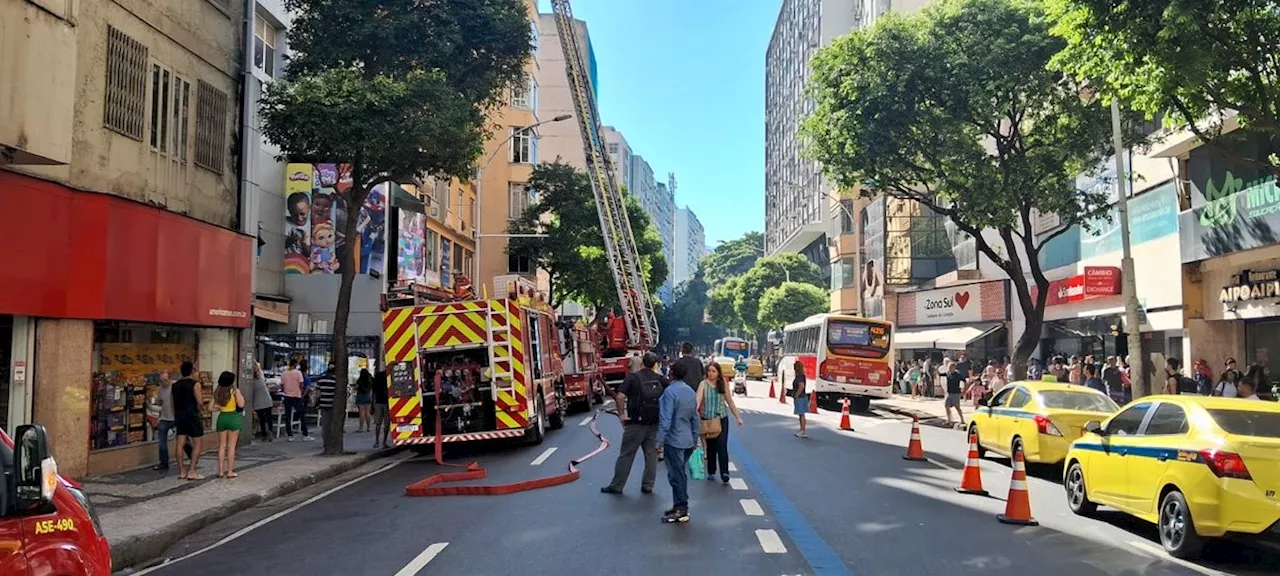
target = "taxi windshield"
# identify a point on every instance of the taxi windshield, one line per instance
(1248, 422)
(1087, 401)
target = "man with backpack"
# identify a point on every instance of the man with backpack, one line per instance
(638, 409)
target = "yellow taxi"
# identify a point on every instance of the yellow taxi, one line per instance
(1042, 417)
(755, 368)
(1198, 467)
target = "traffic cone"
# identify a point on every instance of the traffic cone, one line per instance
(915, 450)
(1017, 508)
(782, 395)
(771, 392)
(813, 402)
(971, 481)
(844, 415)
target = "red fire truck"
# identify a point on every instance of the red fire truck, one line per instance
(583, 379)
(485, 369)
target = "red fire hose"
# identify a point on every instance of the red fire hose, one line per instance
(473, 471)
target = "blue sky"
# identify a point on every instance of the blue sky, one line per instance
(683, 80)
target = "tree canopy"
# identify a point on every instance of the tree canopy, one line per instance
(791, 302)
(394, 89)
(766, 273)
(1187, 58)
(733, 258)
(683, 319)
(572, 252)
(720, 309)
(956, 108)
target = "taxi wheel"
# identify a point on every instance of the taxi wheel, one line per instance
(1077, 495)
(1177, 531)
(973, 431)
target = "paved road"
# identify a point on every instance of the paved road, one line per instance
(835, 503)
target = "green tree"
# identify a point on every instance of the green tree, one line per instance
(955, 107)
(767, 273)
(791, 302)
(572, 252)
(1187, 58)
(720, 305)
(397, 89)
(683, 320)
(733, 258)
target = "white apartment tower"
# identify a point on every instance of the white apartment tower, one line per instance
(690, 246)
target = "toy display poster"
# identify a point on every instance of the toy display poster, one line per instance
(316, 217)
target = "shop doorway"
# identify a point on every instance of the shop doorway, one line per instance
(6, 364)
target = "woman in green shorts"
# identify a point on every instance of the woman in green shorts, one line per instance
(229, 402)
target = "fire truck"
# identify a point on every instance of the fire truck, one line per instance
(583, 380)
(483, 369)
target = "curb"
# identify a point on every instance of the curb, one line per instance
(925, 418)
(132, 552)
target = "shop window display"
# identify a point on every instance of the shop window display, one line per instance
(130, 361)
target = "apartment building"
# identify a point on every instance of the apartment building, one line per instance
(562, 140)
(118, 168)
(690, 246)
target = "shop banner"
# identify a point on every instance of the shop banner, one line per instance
(1101, 280)
(1096, 281)
(316, 215)
(1251, 285)
(1152, 215)
(1240, 216)
(985, 302)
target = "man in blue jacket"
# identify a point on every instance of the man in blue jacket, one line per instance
(679, 429)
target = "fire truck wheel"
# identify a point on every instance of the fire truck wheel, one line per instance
(562, 408)
(538, 432)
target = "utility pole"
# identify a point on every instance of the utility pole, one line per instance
(1128, 286)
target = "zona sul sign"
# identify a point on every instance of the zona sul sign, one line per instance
(985, 302)
(1251, 285)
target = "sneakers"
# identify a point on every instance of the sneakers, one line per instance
(724, 478)
(680, 515)
(648, 490)
(307, 438)
(610, 490)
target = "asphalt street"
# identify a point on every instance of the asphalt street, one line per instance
(834, 503)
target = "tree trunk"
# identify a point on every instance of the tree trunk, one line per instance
(333, 429)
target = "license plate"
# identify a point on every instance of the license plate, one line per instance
(406, 428)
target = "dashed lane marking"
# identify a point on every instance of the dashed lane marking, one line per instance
(417, 564)
(1152, 550)
(586, 420)
(738, 484)
(277, 515)
(751, 508)
(769, 541)
(733, 467)
(543, 456)
(940, 464)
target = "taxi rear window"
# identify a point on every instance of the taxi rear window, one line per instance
(1248, 422)
(1087, 401)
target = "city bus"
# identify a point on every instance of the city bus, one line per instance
(843, 357)
(726, 352)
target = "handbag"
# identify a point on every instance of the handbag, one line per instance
(698, 464)
(711, 428)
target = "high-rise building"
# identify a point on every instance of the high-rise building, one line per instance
(658, 201)
(619, 155)
(690, 246)
(561, 140)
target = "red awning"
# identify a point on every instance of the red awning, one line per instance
(72, 254)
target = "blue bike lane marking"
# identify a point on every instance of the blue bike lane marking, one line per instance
(821, 557)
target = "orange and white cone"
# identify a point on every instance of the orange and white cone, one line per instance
(915, 450)
(971, 481)
(782, 395)
(1017, 508)
(844, 415)
(772, 394)
(813, 402)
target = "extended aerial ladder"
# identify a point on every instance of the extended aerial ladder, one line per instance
(619, 241)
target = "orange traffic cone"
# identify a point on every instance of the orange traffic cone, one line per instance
(915, 450)
(782, 394)
(1017, 508)
(771, 392)
(971, 482)
(813, 402)
(844, 415)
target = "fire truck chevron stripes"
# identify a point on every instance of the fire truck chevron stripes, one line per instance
(461, 437)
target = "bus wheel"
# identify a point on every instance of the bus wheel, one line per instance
(860, 404)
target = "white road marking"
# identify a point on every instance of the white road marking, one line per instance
(586, 420)
(751, 508)
(277, 515)
(738, 483)
(543, 457)
(940, 464)
(733, 467)
(1160, 553)
(417, 564)
(770, 542)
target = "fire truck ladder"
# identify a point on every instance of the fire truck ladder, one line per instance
(619, 240)
(502, 367)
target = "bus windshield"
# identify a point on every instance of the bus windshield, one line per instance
(735, 347)
(858, 338)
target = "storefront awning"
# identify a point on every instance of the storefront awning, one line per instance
(942, 338)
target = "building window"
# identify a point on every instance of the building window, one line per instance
(519, 265)
(431, 252)
(521, 146)
(126, 85)
(170, 112)
(211, 127)
(522, 95)
(534, 37)
(517, 200)
(264, 46)
(441, 195)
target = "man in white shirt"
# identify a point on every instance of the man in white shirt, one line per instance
(1246, 391)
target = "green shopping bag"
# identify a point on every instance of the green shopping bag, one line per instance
(698, 464)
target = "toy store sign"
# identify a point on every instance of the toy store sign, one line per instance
(1251, 285)
(962, 304)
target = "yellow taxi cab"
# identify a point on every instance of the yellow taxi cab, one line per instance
(1043, 417)
(755, 368)
(1198, 467)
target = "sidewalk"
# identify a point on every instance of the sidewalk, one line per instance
(930, 411)
(144, 512)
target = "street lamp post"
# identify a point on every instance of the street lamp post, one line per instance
(480, 186)
(1128, 284)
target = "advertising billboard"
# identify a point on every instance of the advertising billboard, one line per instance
(316, 216)
(412, 253)
(871, 285)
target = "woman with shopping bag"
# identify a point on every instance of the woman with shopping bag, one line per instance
(714, 405)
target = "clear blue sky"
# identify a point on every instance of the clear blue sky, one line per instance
(683, 80)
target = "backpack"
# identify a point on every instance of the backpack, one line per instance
(1186, 385)
(647, 411)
